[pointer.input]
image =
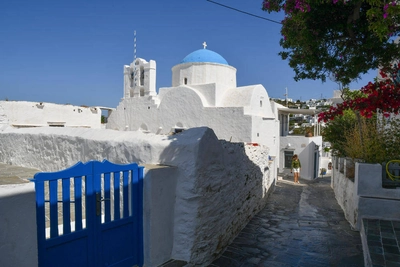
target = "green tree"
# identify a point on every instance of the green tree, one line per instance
(337, 38)
(336, 129)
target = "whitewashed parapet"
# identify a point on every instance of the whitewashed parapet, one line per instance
(375, 202)
(219, 186)
(22, 114)
(365, 197)
(345, 191)
(232, 189)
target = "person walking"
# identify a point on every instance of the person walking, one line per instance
(296, 167)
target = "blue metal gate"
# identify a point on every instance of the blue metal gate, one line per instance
(90, 215)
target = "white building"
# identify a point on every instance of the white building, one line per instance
(204, 93)
(23, 114)
(308, 149)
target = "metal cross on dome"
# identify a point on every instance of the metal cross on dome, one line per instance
(204, 45)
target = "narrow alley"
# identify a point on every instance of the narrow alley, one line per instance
(301, 225)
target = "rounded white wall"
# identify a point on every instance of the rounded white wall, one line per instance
(180, 107)
(204, 73)
(253, 98)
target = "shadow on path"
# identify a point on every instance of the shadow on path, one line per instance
(301, 225)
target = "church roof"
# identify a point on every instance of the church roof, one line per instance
(204, 55)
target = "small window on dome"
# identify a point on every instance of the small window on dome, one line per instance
(185, 81)
(260, 103)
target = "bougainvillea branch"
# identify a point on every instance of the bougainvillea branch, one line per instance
(381, 96)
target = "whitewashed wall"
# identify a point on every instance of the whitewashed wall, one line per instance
(345, 192)
(205, 73)
(304, 147)
(324, 164)
(25, 114)
(365, 198)
(220, 186)
(246, 114)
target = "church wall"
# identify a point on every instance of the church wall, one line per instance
(133, 113)
(116, 120)
(259, 103)
(140, 114)
(205, 73)
(41, 114)
(253, 98)
(180, 107)
(228, 123)
(208, 91)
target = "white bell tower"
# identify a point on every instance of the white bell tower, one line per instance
(139, 77)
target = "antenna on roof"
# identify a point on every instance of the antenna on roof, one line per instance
(286, 95)
(134, 45)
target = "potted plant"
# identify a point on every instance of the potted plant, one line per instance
(323, 171)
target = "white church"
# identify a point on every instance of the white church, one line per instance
(203, 93)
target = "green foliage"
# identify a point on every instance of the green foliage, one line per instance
(336, 129)
(337, 39)
(303, 130)
(374, 140)
(371, 140)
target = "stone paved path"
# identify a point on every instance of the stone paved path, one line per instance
(301, 225)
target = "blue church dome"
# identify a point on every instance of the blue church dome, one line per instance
(204, 55)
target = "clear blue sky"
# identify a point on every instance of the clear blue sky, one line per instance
(74, 51)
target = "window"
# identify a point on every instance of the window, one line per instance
(185, 81)
(260, 103)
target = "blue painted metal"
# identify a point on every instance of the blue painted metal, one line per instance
(108, 227)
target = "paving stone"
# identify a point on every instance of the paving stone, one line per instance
(377, 259)
(391, 249)
(224, 262)
(282, 234)
(392, 257)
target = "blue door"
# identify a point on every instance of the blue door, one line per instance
(90, 215)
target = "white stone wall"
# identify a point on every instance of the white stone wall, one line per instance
(220, 185)
(41, 114)
(365, 197)
(345, 193)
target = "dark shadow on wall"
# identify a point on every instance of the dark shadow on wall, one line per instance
(219, 189)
